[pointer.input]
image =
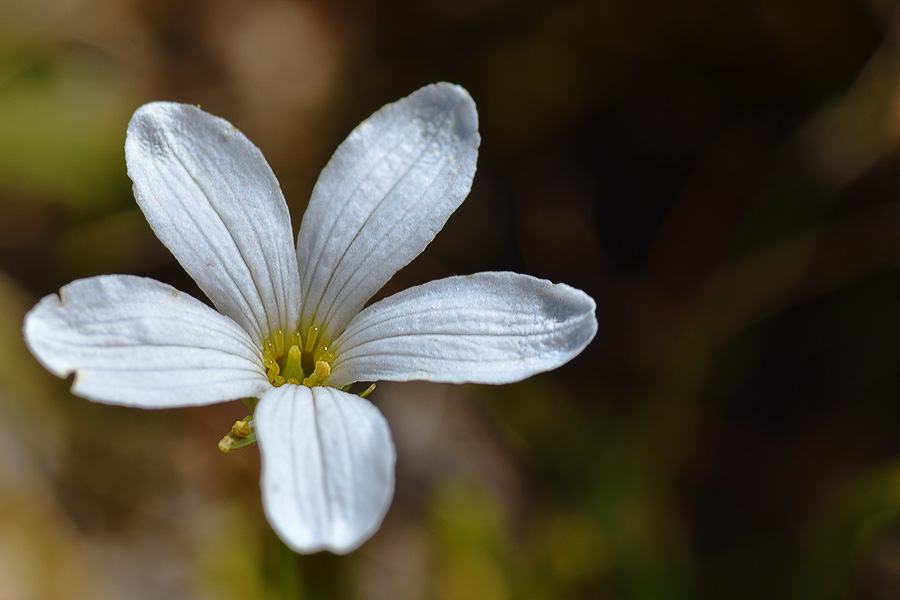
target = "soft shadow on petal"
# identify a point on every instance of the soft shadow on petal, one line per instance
(138, 342)
(384, 195)
(327, 467)
(483, 328)
(211, 197)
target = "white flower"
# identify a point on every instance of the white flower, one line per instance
(290, 328)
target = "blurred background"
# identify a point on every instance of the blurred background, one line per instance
(722, 177)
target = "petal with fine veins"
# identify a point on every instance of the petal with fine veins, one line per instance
(483, 328)
(137, 342)
(211, 197)
(383, 196)
(327, 467)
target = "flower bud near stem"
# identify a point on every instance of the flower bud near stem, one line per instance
(241, 434)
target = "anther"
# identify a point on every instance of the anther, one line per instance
(324, 354)
(272, 371)
(241, 429)
(322, 371)
(289, 357)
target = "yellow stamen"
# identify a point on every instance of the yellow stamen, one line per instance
(272, 371)
(278, 336)
(241, 435)
(323, 354)
(322, 371)
(288, 358)
(241, 429)
(311, 336)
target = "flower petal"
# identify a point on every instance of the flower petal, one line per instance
(327, 467)
(483, 328)
(210, 196)
(138, 342)
(383, 196)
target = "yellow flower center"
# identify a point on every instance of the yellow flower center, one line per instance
(291, 359)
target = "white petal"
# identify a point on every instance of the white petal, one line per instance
(212, 199)
(383, 196)
(327, 467)
(138, 342)
(483, 328)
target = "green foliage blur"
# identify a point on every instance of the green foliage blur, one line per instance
(722, 177)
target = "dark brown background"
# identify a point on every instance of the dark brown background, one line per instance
(722, 177)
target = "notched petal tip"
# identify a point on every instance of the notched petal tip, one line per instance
(382, 198)
(137, 342)
(214, 202)
(327, 467)
(454, 99)
(581, 312)
(483, 328)
(563, 301)
(147, 130)
(38, 325)
(162, 111)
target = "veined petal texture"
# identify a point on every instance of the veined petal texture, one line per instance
(483, 328)
(327, 466)
(138, 342)
(383, 196)
(211, 197)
